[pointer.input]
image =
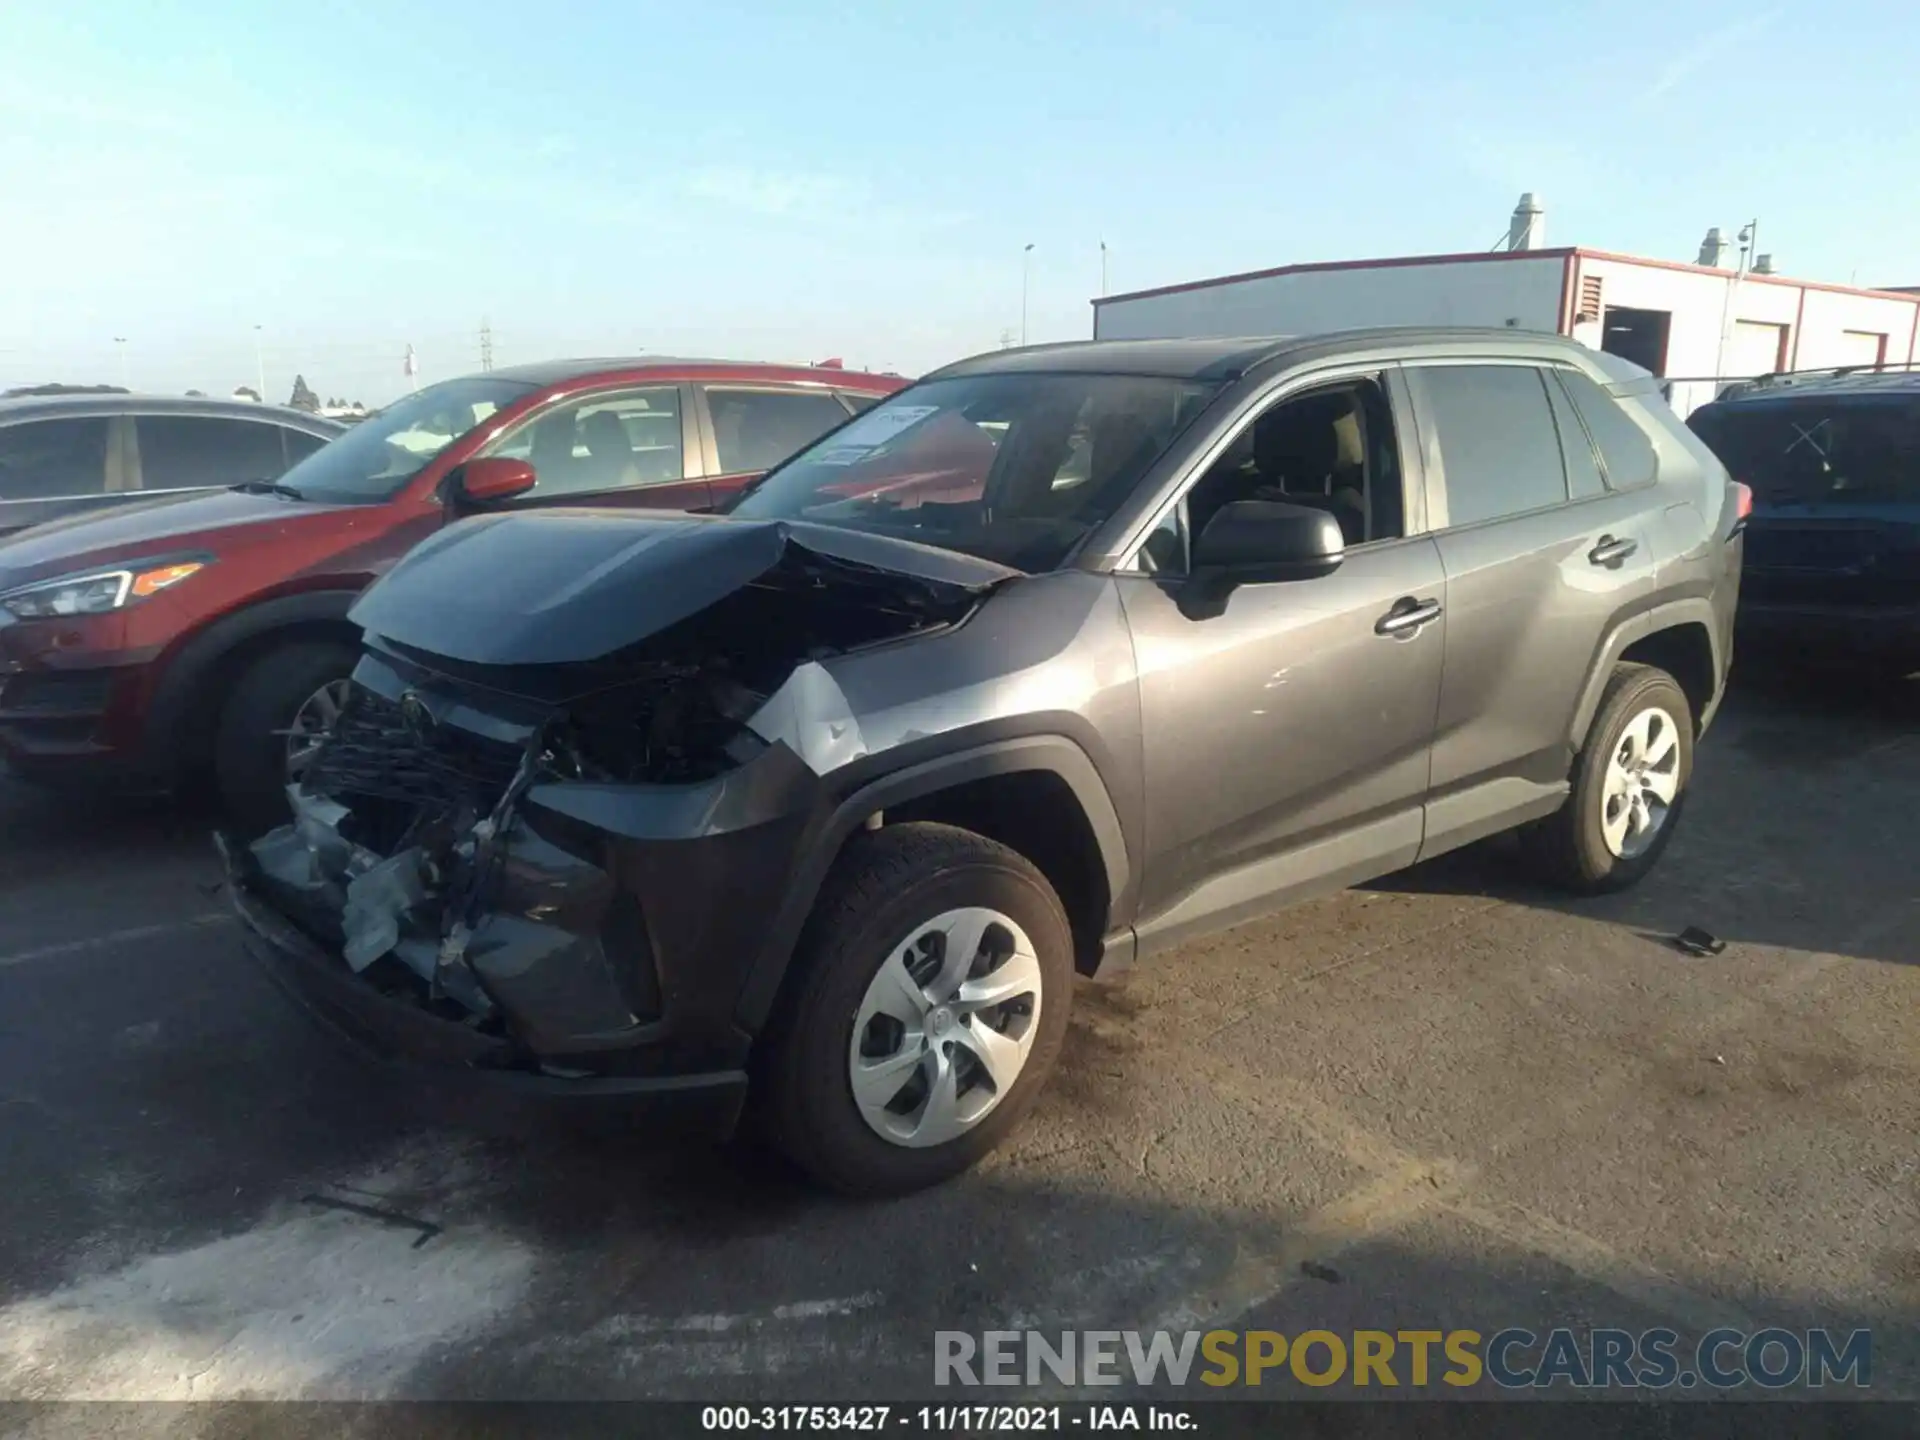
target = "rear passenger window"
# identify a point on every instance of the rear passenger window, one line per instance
(46, 459)
(1583, 467)
(1624, 446)
(1498, 444)
(757, 429)
(185, 452)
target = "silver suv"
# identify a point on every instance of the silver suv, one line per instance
(1059, 657)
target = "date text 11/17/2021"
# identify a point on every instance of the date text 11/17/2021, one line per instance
(943, 1419)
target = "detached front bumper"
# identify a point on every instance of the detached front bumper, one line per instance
(448, 1069)
(456, 1070)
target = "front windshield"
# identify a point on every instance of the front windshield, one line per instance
(1013, 468)
(379, 455)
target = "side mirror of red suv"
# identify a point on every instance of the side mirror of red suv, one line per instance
(483, 482)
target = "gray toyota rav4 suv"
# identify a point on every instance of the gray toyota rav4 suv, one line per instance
(813, 810)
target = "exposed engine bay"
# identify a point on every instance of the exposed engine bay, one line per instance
(412, 853)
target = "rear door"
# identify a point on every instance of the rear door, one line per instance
(56, 465)
(1836, 498)
(1541, 560)
(203, 452)
(752, 428)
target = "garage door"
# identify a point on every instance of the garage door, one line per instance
(1860, 347)
(1754, 349)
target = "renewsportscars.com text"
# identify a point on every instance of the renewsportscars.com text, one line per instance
(1511, 1358)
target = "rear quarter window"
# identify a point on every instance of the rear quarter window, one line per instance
(1625, 450)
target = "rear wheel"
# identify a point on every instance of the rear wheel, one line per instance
(934, 984)
(272, 723)
(1629, 784)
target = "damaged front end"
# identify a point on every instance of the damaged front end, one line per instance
(562, 870)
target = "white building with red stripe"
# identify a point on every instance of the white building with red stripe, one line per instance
(1697, 325)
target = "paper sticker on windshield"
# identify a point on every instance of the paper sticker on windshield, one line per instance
(871, 431)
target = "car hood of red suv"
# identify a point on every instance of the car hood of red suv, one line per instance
(164, 525)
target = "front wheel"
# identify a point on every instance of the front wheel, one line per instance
(1629, 784)
(935, 977)
(273, 721)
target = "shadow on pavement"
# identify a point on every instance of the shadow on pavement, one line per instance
(1800, 831)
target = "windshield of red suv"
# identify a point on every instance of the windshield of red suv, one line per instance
(1013, 468)
(375, 458)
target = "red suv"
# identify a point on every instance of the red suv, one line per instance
(206, 636)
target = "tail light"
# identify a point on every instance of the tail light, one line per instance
(1742, 507)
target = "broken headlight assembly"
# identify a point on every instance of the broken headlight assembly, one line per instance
(97, 592)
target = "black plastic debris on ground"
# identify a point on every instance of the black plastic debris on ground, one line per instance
(1695, 941)
(385, 1216)
(1314, 1270)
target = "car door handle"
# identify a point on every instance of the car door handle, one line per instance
(1407, 616)
(1611, 551)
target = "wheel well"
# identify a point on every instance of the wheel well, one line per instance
(200, 720)
(1685, 652)
(1036, 813)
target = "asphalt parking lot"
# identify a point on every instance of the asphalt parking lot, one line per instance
(1447, 1100)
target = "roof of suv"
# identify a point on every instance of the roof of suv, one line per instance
(117, 402)
(551, 372)
(1864, 381)
(1227, 358)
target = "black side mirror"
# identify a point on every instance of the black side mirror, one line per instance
(1259, 542)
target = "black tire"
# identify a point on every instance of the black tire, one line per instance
(250, 748)
(1569, 848)
(885, 886)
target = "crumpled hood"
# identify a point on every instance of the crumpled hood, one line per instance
(568, 586)
(161, 526)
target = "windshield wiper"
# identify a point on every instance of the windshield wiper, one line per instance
(267, 487)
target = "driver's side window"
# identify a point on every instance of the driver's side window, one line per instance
(606, 441)
(1328, 449)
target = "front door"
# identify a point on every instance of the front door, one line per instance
(1287, 737)
(614, 449)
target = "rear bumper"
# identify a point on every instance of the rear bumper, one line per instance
(450, 1070)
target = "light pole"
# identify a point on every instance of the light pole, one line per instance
(1103, 269)
(121, 341)
(259, 368)
(1026, 255)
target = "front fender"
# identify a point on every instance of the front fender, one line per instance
(1054, 754)
(193, 665)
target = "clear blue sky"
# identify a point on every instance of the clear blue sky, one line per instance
(803, 180)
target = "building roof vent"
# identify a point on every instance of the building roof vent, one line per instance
(1527, 230)
(1713, 249)
(1763, 264)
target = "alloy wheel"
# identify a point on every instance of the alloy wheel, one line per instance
(1643, 780)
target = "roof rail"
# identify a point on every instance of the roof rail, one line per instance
(1783, 377)
(1895, 373)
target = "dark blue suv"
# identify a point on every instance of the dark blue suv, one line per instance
(1833, 546)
